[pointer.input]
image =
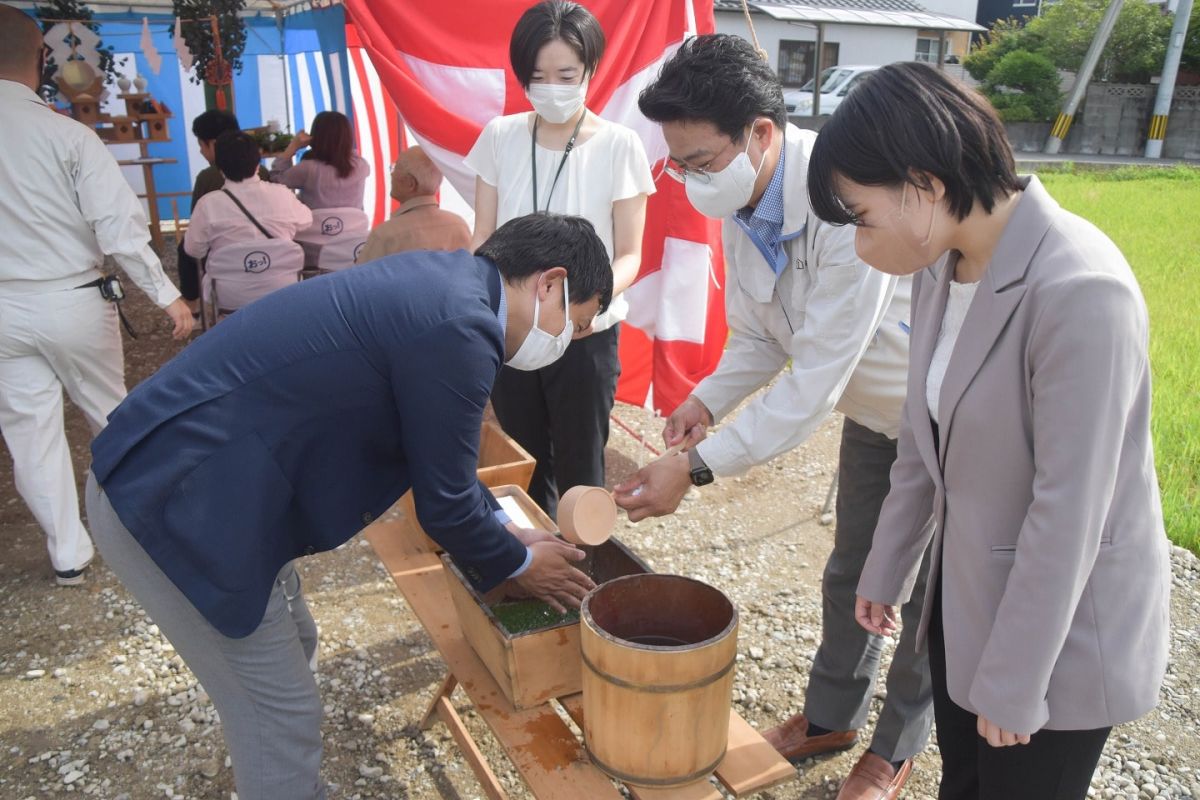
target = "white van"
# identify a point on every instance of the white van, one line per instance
(836, 83)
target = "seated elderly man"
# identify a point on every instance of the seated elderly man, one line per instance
(246, 208)
(419, 224)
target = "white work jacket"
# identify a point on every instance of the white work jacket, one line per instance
(64, 205)
(840, 324)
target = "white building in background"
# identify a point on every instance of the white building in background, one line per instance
(854, 31)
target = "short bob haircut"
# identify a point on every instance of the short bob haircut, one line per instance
(904, 122)
(548, 21)
(717, 78)
(534, 243)
(237, 155)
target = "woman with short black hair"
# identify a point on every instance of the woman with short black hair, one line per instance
(1026, 432)
(331, 174)
(561, 157)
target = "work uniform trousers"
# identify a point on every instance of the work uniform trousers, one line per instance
(49, 341)
(559, 414)
(842, 680)
(262, 685)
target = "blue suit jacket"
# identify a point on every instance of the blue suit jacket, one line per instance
(301, 418)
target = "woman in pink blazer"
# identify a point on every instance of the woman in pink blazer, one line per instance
(1026, 433)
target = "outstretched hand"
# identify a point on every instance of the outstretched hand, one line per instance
(656, 489)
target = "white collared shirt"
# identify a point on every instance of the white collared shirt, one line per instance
(64, 205)
(217, 221)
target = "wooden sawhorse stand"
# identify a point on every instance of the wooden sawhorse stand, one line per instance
(547, 754)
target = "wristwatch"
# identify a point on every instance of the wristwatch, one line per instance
(700, 473)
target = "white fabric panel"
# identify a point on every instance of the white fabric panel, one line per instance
(274, 90)
(672, 303)
(323, 80)
(339, 95)
(193, 106)
(308, 105)
(366, 135)
(623, 108)
(383, 133)
(472, 93)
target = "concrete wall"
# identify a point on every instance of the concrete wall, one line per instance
(1116, 118)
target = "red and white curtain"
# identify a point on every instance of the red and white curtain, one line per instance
(445, 66)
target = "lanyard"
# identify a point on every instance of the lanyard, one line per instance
(561, 164)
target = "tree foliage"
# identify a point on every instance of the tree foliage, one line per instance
(1065, 30)
(1191, 45)
(1023, 87)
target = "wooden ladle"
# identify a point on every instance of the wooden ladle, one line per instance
(587, 515)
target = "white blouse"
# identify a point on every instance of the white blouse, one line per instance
(609, 166)
(957, 304)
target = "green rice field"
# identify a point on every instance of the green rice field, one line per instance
(1153, 214)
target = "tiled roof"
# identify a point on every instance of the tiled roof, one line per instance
(853, 5)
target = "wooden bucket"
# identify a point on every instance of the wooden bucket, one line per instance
(658, 657)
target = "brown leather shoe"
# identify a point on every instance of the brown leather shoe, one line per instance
(792, 741)
(872, 778)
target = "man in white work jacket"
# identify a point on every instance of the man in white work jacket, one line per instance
(63, 206)
(795, 292)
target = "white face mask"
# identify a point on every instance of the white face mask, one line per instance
(540, 348)
(728, 190)
(557, 102)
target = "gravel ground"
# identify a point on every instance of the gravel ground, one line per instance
(93, 699)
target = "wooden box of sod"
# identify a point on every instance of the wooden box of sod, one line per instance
(531, 650)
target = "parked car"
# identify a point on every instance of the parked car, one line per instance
(836, 83)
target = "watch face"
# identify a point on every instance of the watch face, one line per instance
(702, 476)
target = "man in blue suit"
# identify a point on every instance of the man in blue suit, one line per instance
(298, 421)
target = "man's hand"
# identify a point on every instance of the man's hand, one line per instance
(877, 618)
(657, 489)
(997, 736)
(527, 536)
(550, 576)
(181, 318)
(688, 424)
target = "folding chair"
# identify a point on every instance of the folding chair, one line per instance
(236, 275)
(342, 253)
(328, 226)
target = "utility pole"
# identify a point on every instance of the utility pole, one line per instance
(1166, 86)
(1063, 124)
(820, 62)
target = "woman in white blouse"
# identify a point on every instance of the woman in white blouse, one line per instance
(1026, 433)
(565, 159)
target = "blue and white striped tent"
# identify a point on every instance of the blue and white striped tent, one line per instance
(293, 67)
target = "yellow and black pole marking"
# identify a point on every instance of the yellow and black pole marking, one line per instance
(1158, 127)
(1061, 126)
